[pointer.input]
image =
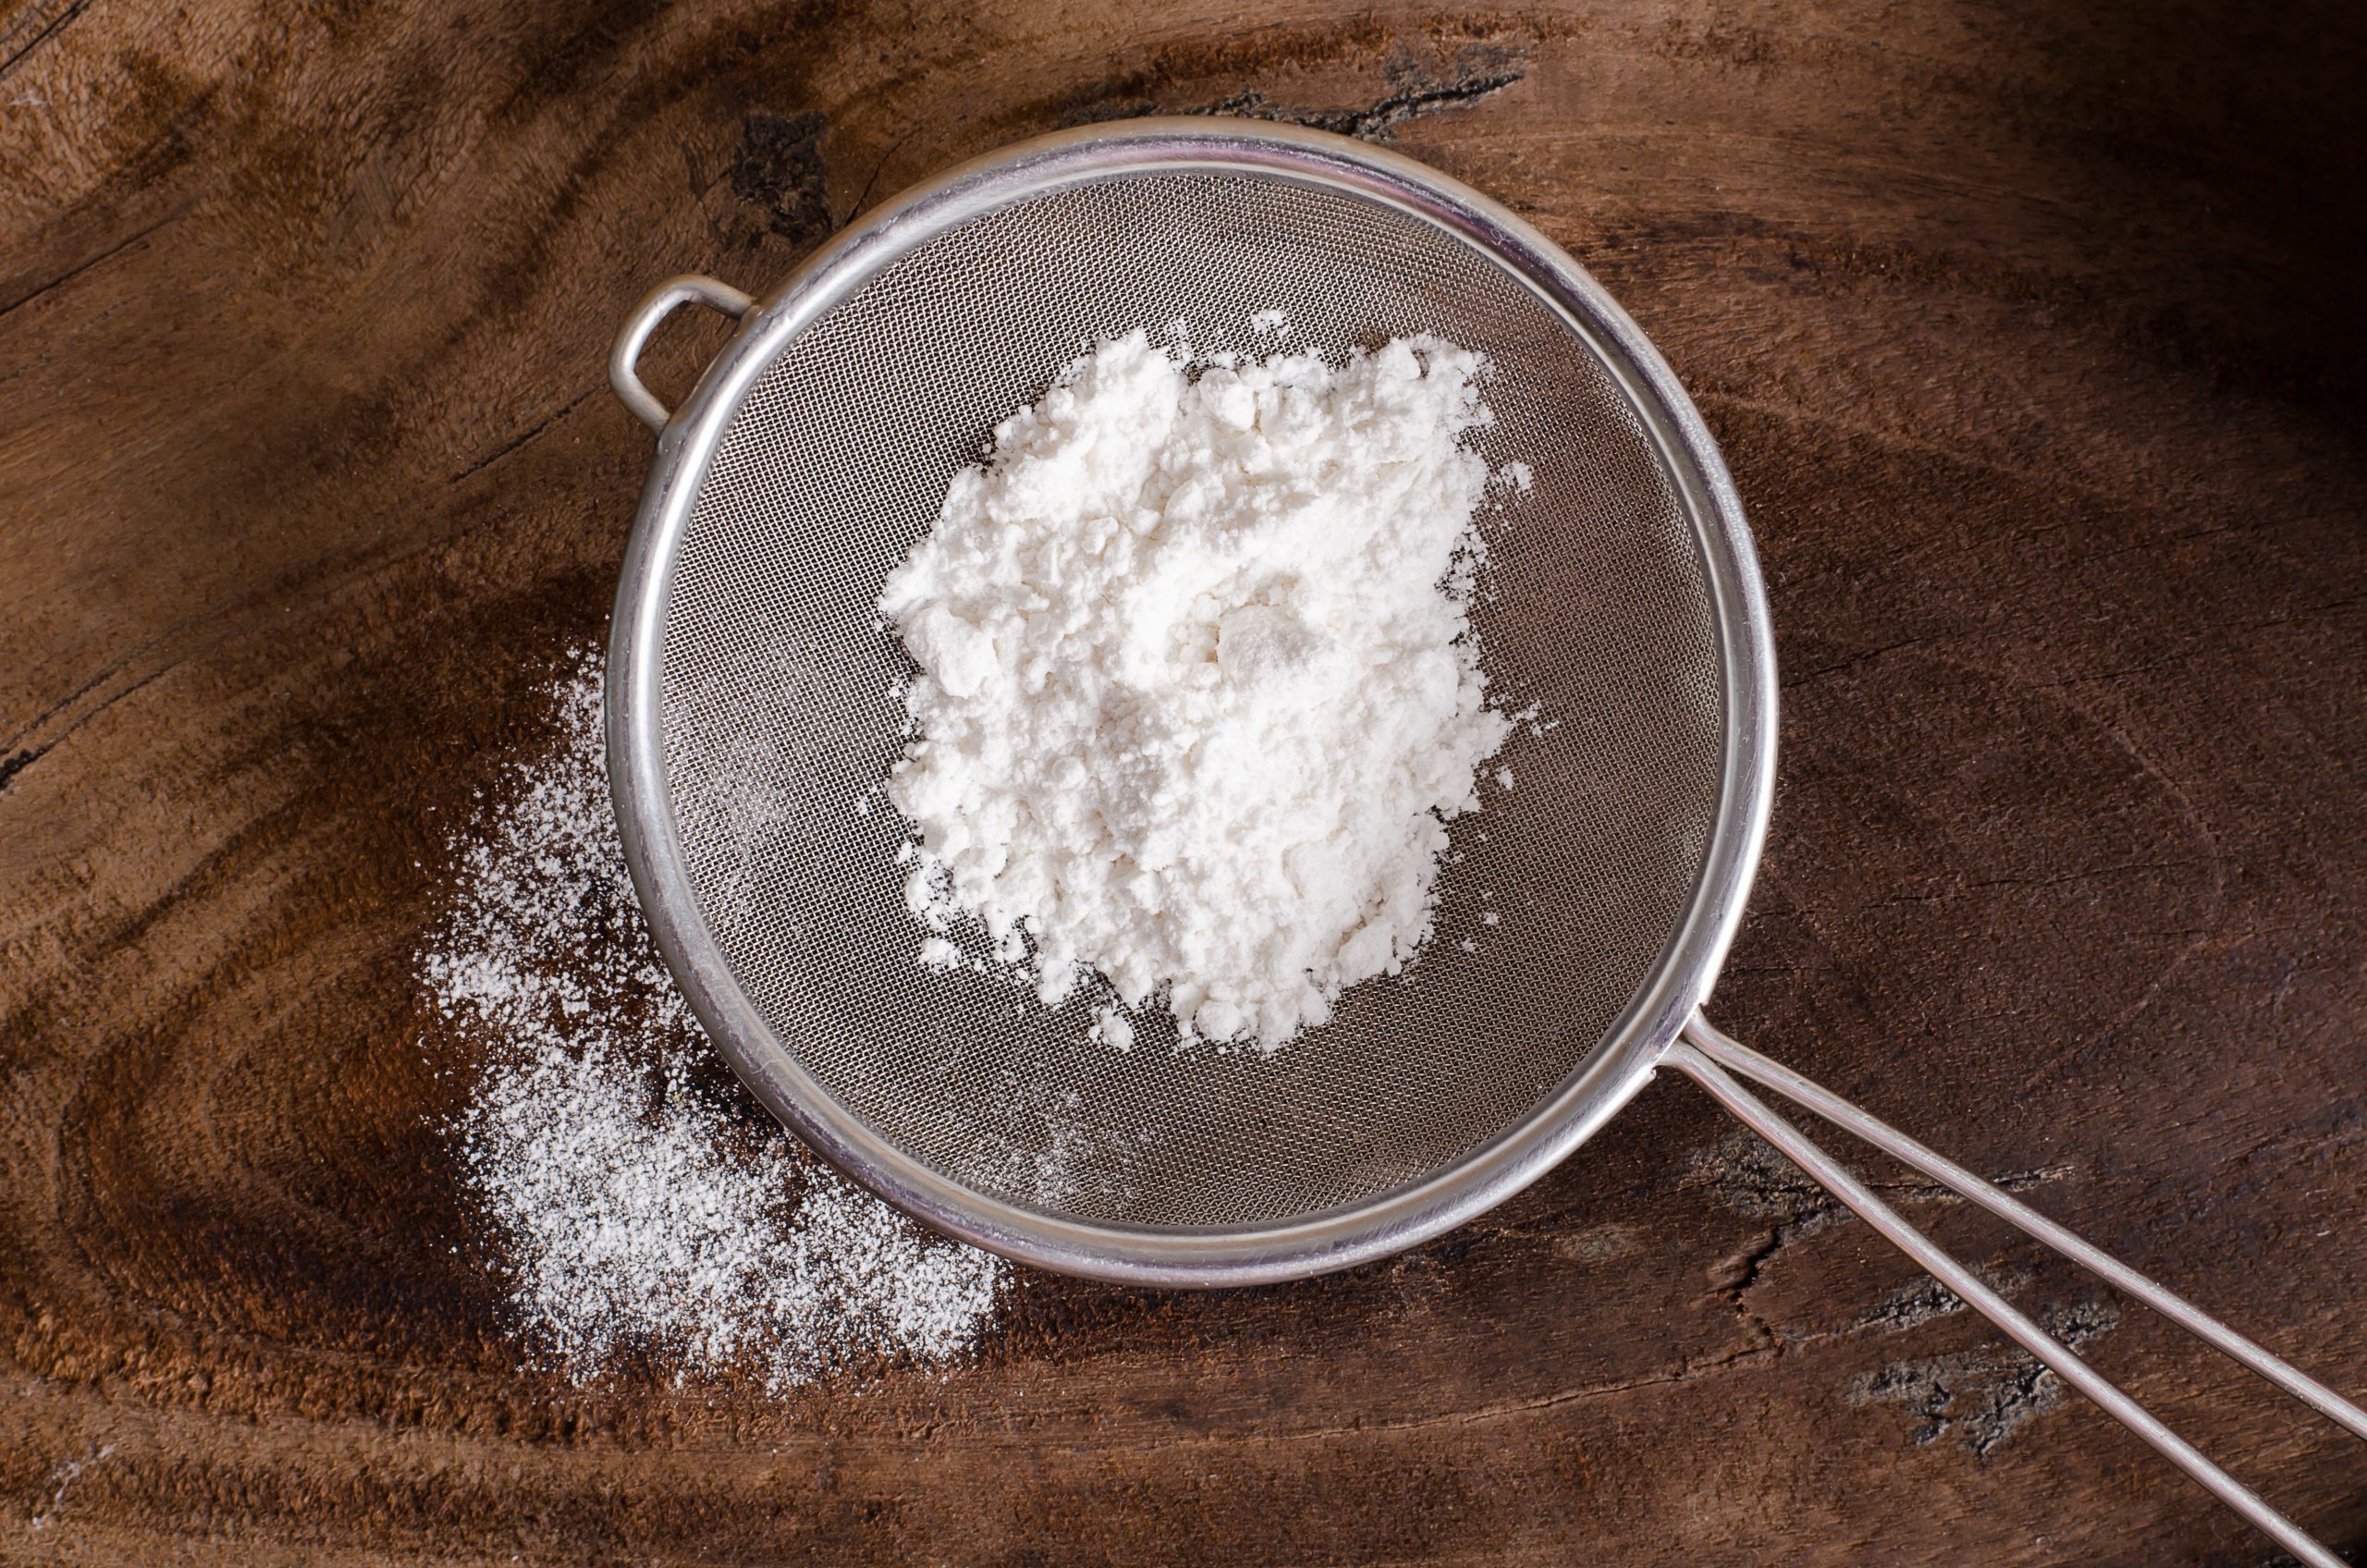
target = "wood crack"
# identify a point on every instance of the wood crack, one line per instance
(78, 268)
(514, 443)
(1376, 121)
(48, 30)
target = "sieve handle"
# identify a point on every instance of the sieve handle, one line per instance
(1706, 1054)
(661, 304)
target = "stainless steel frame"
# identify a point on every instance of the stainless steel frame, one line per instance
(1662, 1027)
(687, 439)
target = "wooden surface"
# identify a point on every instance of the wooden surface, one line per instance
(2033, 337)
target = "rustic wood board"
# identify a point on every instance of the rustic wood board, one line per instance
(2033, 336)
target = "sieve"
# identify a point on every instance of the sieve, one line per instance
(751, 703)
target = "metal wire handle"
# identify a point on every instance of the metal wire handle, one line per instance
(1704, 1053)
(624, 356)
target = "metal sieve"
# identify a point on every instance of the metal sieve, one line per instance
(751, 703)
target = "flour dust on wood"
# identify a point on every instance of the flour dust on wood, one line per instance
(1198, 691)
(636, 1216)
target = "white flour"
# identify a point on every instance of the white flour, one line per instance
(1198, 692)
(638, 1217)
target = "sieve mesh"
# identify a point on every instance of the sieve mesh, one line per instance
(776, 712)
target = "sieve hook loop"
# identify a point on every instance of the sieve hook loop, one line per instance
(643, 321)
(1713, 1060)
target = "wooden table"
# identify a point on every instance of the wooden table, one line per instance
(2034, 335)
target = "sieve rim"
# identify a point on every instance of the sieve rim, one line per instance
(1518, 1155)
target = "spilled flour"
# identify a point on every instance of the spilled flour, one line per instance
(637, 1214)
(1198, 692)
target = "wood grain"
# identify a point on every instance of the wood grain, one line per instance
(2033, 336)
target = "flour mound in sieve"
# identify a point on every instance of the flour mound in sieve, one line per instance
(1198, 691)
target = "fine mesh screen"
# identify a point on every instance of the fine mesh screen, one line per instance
(778, 712)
